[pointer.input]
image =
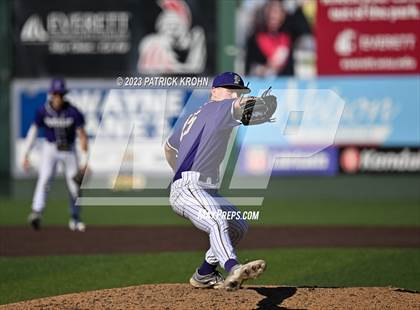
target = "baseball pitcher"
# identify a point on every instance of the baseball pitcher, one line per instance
(195, 151)
(61, 123)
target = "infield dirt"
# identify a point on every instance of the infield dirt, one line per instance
(22, 241)
(183, 296)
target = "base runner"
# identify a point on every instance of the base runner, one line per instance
(61, 123)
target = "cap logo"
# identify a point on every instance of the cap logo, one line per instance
(236, 79)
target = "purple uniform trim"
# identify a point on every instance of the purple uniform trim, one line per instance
(201, 140)
(59, 126)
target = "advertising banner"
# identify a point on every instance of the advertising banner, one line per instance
(379, 110)
(102, 38)
(258, 159)
(119, 115)
(368, 37)
(354, 160)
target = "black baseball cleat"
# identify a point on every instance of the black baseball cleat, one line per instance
(35, 220)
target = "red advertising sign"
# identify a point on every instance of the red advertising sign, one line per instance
(368, 36)
(354, 160)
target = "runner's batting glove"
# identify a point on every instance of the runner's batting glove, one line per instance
(78, 177)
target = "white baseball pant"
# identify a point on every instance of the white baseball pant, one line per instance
(50, 157)
(190, 199)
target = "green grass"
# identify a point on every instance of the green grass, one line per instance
(272, 212)
(330, 212)
(25, 278)
(382, 200)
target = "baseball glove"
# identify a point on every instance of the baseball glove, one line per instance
(78, 177)
(258, 110)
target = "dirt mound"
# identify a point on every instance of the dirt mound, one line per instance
(183, 296)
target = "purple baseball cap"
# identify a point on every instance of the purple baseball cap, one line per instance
(58, 86)
(230, 80)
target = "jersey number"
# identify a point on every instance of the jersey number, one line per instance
(188, 124)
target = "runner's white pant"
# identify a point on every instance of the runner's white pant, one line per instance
(190, 199)
(50, 157)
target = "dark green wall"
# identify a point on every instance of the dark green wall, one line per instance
(5, 72)
(226, 11)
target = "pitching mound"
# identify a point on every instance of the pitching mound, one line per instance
(182, 296)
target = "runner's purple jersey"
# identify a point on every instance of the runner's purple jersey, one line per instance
(201, 140)
(59, 126)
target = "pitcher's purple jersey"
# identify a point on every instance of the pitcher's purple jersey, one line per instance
(201, 141)
(59, 126)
